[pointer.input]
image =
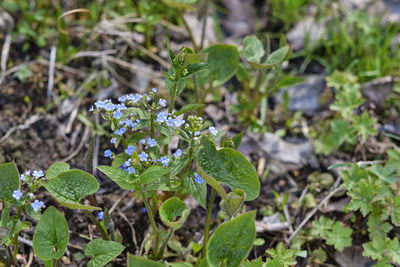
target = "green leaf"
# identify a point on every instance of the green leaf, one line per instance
(321, 227)
(378, 227)
(343, 132)
(383, 249)
(253, 49)
(339, 237)
(395, 211)
(353, 176)
(229, 167)
(71, 186)
(222, 62)
(102, 252)
(231, 242)
(233, 202)
(164, 184)
(171, 209)
(117, 175)
(278, 56)
(56, 168)
(193, 68)
(364, 125)
(119, 160)
(361, 197)
(9, 180)
(51, 235)
(153, 173)
(198, 191)
(135, 261)
(280, 256)
(287, 81)
(187, 108)
(387, 174)
(180, 264)
(185, 4)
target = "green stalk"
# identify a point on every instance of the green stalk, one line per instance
(164, 244)
(97, 223)
(207, 230)
(12, 258)
(171, 108)
(151, 217)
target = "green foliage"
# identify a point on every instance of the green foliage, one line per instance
(171, 209)
(55, 169)
(51, 235)
(232, 241)
(102, 251)
(280, 256)
(383, 250)
(9, 180)
(134, 261)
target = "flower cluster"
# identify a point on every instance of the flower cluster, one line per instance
(32, 179)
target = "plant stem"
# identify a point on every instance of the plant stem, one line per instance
(97, 223)
(12, 258)
(165, 242)
(151, 217)
(196, 49)
(207, 230)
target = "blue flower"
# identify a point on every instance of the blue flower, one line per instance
(127, 122)
(178, 153)
(100, 215)
(154, 90)
(108, 153)
(91, 109)
(117, 114)
(130, 170)
(144, 210)
(143, 156)
(130, 150)
(213, 131)
(127, 163)
(161, 117)
(162, 102)
(28, 172)
(38, 174)
(17, 194)
(134, 98)
(121, 131)
(22, 177)
(151, 142)
(164, 161)
(170, 122)
(36, 205)
(178, 122)
(122, 98)
(143, 141)
(196, 133)
(198, 178)
(113, 140)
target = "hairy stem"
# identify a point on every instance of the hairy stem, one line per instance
(165, 242)
(207, 230)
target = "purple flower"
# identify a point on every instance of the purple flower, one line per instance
(213, 131)
(130, 150)
(151, 142)
(108, 154)
(178, 153)
(164, 161)
(17, 194)
(28, 172)
(198, 178)
(91, 109)
(162, 102)
(36, 205)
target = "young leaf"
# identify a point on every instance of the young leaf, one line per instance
(153, 173)
(278, 56)
(395, 212)
(253, 49)
(281, 256)
(364, 125)
(321, 227)
(56, 168)
(231, 242)
(229, 167)
(222, 62)
(9, 180)
(135, 261)
(339, 237)
(387, 174)
(117, 175)
(353, 176)
(102, 252)
(51, 235)
(361, 197)
(171, 209)
(71, 186)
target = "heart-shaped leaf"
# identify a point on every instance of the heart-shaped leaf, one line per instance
(253, 49)
(153, 173)
(102, 252)
(171, 209)
(229, 167)
(9, 180)
(233, 202)
(232, 241)
(56, 168)
(71, 186)
(135, 261)
(51, 235)
(222, 62)
(117, 175)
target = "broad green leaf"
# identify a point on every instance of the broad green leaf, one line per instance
(233, 202)
(102, 252)
(164, 184)
(117, 175)
(339, 237)
(9, 180)
(229, 167)
(180, 264)
(198, 191)
(71, 186)
(171, 209)
(378, 227)
(56, 168)
(119, 160)
(196, 58)
(231, 242)
(222, 62)
(253, 49)
(153, 173)
(352, 176)
(135, 261)
(51, 235)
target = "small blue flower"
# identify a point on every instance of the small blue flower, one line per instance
(130, 150)
(161, 117)
(154, 90)
(113, 140)
(134, 98)
(91, 109)
(36, 205)
(151, 142)
(100, 215)
(121, 131)
(143, 141)
(213, 131)
(108, 153)
(144, 210)
(117, 114)
(198, 178)
(17, 194)
(178, 122)
(122, 98)
(38, 174)
(126, 122)
(130, 170)
(22, 177)
(143, 156)
(162, 102)
(196, 133)
(28, 172)
(164, 161)
(31, 195)
(178, 153)
(127, 163)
